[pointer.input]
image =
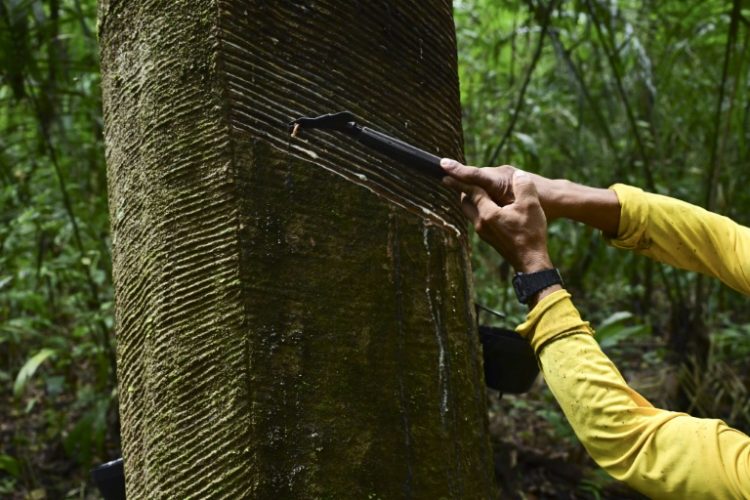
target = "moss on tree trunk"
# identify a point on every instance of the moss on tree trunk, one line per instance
(294, 318)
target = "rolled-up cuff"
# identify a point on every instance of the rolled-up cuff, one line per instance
(631, 234)
(554, 317)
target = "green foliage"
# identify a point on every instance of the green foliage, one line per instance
(10, 465)
(731, 341)
(12, 468)
(653, 94)
(55, 290)
(615, 329)
(620, 92)
(649, 93)
(29, 368)
(721, 388)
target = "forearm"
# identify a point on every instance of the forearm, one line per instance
(595, 207)
(684, 236)
(660, 453)
(662, 228)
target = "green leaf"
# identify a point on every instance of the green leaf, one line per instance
(615, 329)
(10, 465)
(29, 368)
(614, 319)
(527, 142)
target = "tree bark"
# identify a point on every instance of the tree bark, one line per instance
(294, 317)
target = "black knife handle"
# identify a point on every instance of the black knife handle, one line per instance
(399, 150)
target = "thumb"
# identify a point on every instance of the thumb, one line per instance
(523, 186)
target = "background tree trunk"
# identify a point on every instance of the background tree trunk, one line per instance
(294, 318)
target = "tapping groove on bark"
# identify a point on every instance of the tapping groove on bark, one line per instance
(294, 318)
(333, 70)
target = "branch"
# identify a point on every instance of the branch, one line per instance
(584, 90)
(524, 86)
(613, 60)
(713, 164)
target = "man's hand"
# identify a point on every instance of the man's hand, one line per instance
(512, 221)
(595, 207)
(498, 183)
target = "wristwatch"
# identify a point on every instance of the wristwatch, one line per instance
(528, 285)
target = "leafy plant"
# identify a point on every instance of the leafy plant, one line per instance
(56, 344)
(616, 329)
(29, 368)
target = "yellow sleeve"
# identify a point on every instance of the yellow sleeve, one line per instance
(660, 453)
(684, 236)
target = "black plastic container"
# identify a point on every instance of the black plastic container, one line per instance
(510, 365)
(110, 479)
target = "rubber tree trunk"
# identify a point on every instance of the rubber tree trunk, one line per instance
(294, 317)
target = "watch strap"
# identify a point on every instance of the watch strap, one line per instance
(526, 285)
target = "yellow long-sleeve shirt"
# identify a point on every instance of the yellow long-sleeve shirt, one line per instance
(662, 454)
